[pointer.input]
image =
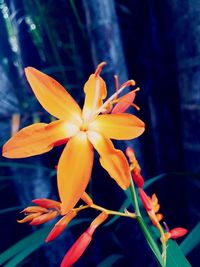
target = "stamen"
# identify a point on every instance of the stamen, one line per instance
(128, 83)
(99, 68)
(126, 101)
(135, 106)
(110, 99)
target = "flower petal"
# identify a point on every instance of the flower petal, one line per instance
(37, 138)
(111, 159)
(53, 96)
(74, 170)
(95, 91)
(124, 102)
(118, 126)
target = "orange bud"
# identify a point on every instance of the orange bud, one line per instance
(167, 236)
(156, 208)
(130, 154)
(154, 199)
(177, 232)
(33, 209)
(99, 219)
(29, 218)
(146, 200)
(87, 199)
(138, 179)
(135, 167)
(159, 216)
(60, 226)
(77, 249)
(44, 218)
(47, 203)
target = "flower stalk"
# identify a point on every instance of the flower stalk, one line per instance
(143, 226)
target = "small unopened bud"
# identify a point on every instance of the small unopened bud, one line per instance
(177, 232)
(77, 249)
(44, 218)
(146, 200)
(47, 203)
(60, 226)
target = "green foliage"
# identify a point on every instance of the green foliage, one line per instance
(175, 256)
(191, 240)
(11, 209)
(25, 246)
(19, 251)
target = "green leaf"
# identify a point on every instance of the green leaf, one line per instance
(154, 179)
(36, 239)
(19, 251)
(11, 209)
(175, 257)
(191, 240)
(109, 261)
(151, 240)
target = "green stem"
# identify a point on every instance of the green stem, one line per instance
(144, 228)
(113, 212)
(135, 202)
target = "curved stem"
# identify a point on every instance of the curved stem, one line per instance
(164, 244)
(110, 212)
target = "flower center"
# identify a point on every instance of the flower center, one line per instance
(84, 127)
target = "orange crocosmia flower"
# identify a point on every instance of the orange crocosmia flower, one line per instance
(83, 129)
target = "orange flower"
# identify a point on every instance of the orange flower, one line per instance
(78, 248)
(83, 130)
